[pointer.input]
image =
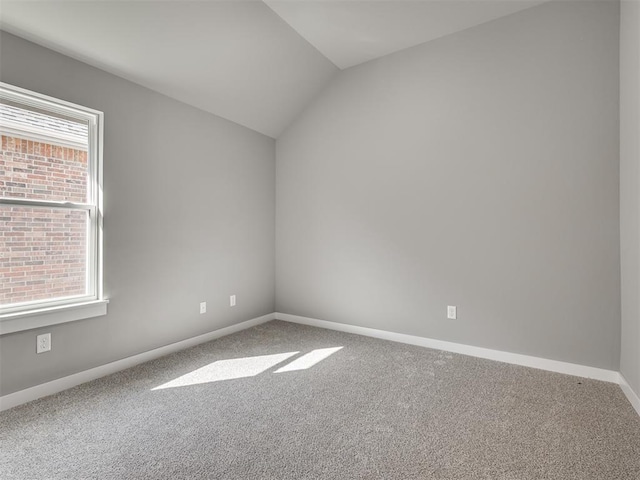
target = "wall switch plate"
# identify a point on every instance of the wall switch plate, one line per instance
(43, 343)
(203, 307)
(232, 301)
(452, 312)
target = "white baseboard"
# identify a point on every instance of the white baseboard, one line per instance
(55, 386)
(497, 355)
(633, 397)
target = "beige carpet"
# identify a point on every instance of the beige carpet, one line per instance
(284, 401)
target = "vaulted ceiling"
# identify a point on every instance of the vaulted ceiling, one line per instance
(255, 63)
(353, 32)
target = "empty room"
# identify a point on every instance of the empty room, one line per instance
(320, 239)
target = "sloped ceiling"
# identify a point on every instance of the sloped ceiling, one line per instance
(235, 59)
(350, 32)
(255, 64)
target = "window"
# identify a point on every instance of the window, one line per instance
(50, 210)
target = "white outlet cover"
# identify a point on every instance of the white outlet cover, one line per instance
(203, 307)
(232, 301)
(43, 343)
(452, 312)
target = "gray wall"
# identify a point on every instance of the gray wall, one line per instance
(630, 190)
(478, 170)
(189, 217)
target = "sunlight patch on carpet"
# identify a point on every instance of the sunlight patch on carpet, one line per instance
(248, 367)
(228, 370)
(308, 360)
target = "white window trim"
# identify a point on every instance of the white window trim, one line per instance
(49, 312)
(45, 317)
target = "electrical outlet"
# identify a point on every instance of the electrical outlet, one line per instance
(452, 312)
(232, 301)
(203, 307)
(43, 343)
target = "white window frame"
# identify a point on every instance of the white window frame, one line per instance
(37, 313)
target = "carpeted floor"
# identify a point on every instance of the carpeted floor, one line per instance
(248, 406)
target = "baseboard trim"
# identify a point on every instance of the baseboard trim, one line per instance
(497, 355)
(33, 393)
(23, 396)
(632, 396)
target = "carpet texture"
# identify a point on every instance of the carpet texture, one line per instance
(281, 401)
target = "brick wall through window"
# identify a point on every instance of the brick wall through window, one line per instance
(42, 250)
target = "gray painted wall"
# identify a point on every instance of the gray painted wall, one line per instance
(630, 190)
(189, 217)
(477, 170)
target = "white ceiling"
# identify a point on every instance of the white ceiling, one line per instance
(237, 58)
(350, 32)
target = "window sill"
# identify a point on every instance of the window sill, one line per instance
(44, 317)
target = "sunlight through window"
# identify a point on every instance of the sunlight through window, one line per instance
(228, 370)
(308, 360)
